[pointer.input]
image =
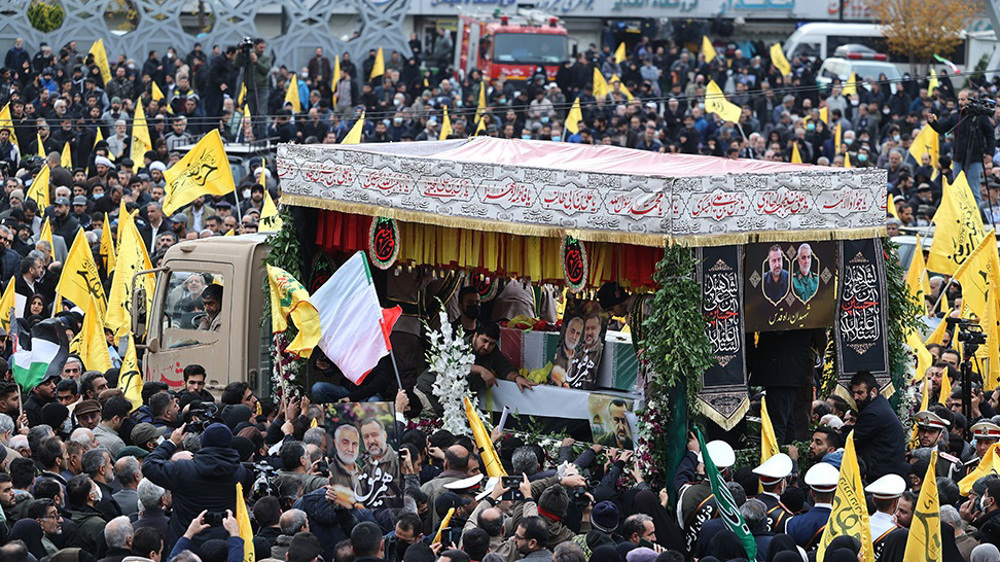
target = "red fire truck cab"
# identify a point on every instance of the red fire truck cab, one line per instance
(511, 45)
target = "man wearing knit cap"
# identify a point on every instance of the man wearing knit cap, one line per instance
(206, 482)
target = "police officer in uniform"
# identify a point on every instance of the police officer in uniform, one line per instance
(773, 474)
(807, 529)
(986, 434)
(932, 431)
(885, 493)
(696, 503)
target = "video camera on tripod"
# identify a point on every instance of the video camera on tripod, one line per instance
(969, 331)
(986, 107)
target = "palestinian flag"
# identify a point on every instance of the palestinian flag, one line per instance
(951, 66)
(49, 350)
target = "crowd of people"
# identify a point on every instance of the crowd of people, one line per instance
(87, 475)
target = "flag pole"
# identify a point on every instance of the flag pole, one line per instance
(944, 291)
(395, 369)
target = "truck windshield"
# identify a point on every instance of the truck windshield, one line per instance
(529, 48)
(192, 312)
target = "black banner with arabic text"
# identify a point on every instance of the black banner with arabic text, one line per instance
(724, 397)
(862, 312)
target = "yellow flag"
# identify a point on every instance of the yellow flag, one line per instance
(796, 156)
(768, 441)
(491, 460)
(7, 303)
(707, 48)
(445, 125)
(937, 336)
(269, 218)
(141, 143)
(989, 354)
(621, 86)
(101, 59)
(932, 84)
(80, 280)
(41, 146)
(39, 189)
(232, 232)
(959, 228)
(7, 122)
(480, 125)
(890, 206)
(824, 115)
(378, 68)
(292, 95)
(924, 541)
(156, 92)
(336, 78)
(945, 391)
(243, 521)
(601, 88)
(779, 61)
(916, 276)
(620, 53)
(574, 117)
(354, 135)
(837, 142)
(481, 105)
(90, 343)
(107, 246)
(290, 298)
(131, 259)
(715, 102)
(98, 138)
(239, 101)
(978, 275)
(851, 87)
(850, 512)
(66, 161)
(925, 399)
(924, 357)
(847, 161)
(926, 142)
(444, 525)
(990, 463)
(46, 234)
(203, 171)
(130, 379)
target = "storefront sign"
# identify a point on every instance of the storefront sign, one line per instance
(861, 312)
(724, 397)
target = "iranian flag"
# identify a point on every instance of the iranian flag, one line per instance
(354, 325)
(44, 358)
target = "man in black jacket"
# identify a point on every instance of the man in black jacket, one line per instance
(206, 482)
(878, 434)
(973, 139)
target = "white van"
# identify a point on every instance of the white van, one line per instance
(820, 40)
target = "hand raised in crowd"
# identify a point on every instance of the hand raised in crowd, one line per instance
(402, 401)
(197, 525)
(231, 525)
(405, 465)
(525, 487)
(177, 435)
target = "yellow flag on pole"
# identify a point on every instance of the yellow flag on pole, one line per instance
(574, 117)
(620, 55)
(269, 218)
(101, 60)
(8, 303)
(847, 164)
(916, 276)
(445, 125)
(336, 75)
(66, 160)
(851, 87)
(80, 280)
(98, 138)
(958, 228)
(796, 155)
(990, 321)
(715, 102)
(837, 142)
(978, 275)
(945, 391)
(768, 441)
(932, 84)
(157, 95)
(292, 95)
(989, 464)
(7, 122)
(850, 512)
(141, 143)
(131, 259)
(480, 125)
(621, 86)
(243, 522)
(41, 146)
(203, 171)
(445, 521)
(707, 48)
(924, 541)
(39, 189)
(378, 67)
(241, 100)
(107, 246)
(491, 460)
(290, 298)
(90, 343)
(779, 61)
(356, 132)
(924, 357)
(937, 336)
(824, 114)
(481, 104)
(130, 379)
(601, 87)
(890, 206)
(926, 142)
(46, 235)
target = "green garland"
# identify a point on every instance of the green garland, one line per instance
(286, 253)
(676, 351)
(902, 318)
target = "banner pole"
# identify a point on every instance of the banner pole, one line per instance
(395, 369)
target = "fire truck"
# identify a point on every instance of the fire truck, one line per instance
(513, 46)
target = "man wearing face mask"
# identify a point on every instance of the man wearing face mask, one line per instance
(973, 138)
(83, 495)
(469, 303)
(878, 434)
(988, 522)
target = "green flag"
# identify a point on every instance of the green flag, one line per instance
(728, 510)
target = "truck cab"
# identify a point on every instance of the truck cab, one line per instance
(234, 345)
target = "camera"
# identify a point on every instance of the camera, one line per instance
(202, 416)
(245, 45)
(981, 107)
(969, 332)
(262, 483)
(213, 518)
(513, 483)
